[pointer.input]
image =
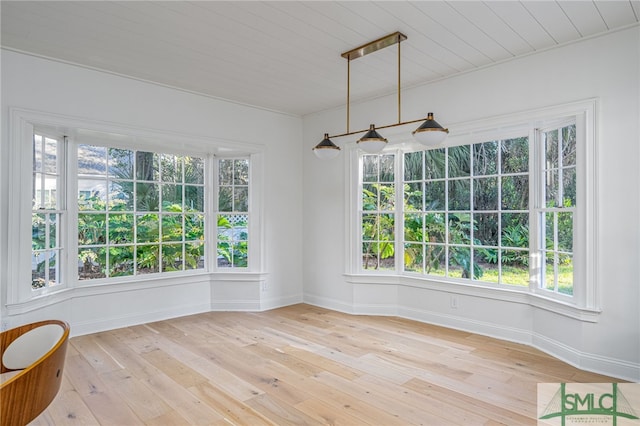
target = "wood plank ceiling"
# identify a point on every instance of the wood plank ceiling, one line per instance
(285, 55)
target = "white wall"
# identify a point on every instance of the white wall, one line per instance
(606, 68)
(53, 87)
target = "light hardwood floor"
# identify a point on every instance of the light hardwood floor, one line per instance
(300, 365)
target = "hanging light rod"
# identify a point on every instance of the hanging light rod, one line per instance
(430, 133)
(355, 132)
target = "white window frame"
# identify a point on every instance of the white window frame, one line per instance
(23, 122)
(585, 302)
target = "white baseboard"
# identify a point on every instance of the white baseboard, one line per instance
(597, 364)
(328, 303)
(95, 326)
(584, 361)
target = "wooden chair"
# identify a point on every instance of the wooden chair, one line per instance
(32, 362)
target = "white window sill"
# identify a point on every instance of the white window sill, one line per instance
(511, 295)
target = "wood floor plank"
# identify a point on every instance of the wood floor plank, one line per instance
(300, 365)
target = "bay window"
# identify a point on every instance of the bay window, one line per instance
(104, 207)
(503, 211)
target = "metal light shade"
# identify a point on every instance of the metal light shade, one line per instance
(372, 142)
(326, 149)
(430, 133)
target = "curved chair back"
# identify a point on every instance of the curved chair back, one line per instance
(33, 356)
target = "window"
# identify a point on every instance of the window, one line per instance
(557, 208)
(47, 211)
(378, 212)
(501, 212)
(94, 204)
(233, 213)
(139, 212)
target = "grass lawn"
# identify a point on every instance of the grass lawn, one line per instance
(519, 276)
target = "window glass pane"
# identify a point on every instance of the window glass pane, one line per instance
(232, 240)
(387, 227)
(120, 196)
(370, 168)
(147, 164)
(121, 228)
(565, 231)
(485, 194)
(170, 168)
(120, 163)
(53, 230)
(515, 267)
(241, 172)
(413, 193)
(194, 256)
(45, 191)
(387, 168)
(486, 229)
(225, 199)
(225, 175)
(193, 227)
(460, 262)
(147, 197)
(551, 149)
(434, 228)
(241, 199)
(485, 158)
(172, 227)
(435, 163)
(413, 257)
(565, 274)
(37, 153)
(459, 161)
(50, 155)
(369, 227)
(172, 258)
(92, 194)
(194, 198)
(413, 166)
(147, 259)
(515, 155)
(551, 188)
(434, 193)
(38, 231)
(515, 192)
(459, 194)
(487, 261)
(387, 196)
(413, 227)
(460, 228)
(569, 145)
(121, 261)
(92, 229)
(435, 261)
(569, 187)
(515, 230)
(92, 160)
(172, 198)
(369, 197)
(147, 228)
(38, 269)
(194, 170)
(91, 263)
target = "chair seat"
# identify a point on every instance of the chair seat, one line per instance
(32, 361)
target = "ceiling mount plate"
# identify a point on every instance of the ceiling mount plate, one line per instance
(374, 46)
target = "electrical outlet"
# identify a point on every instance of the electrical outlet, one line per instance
(264, 286)
(454, 301)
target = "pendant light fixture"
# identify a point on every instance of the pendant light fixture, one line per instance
(430, 133)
